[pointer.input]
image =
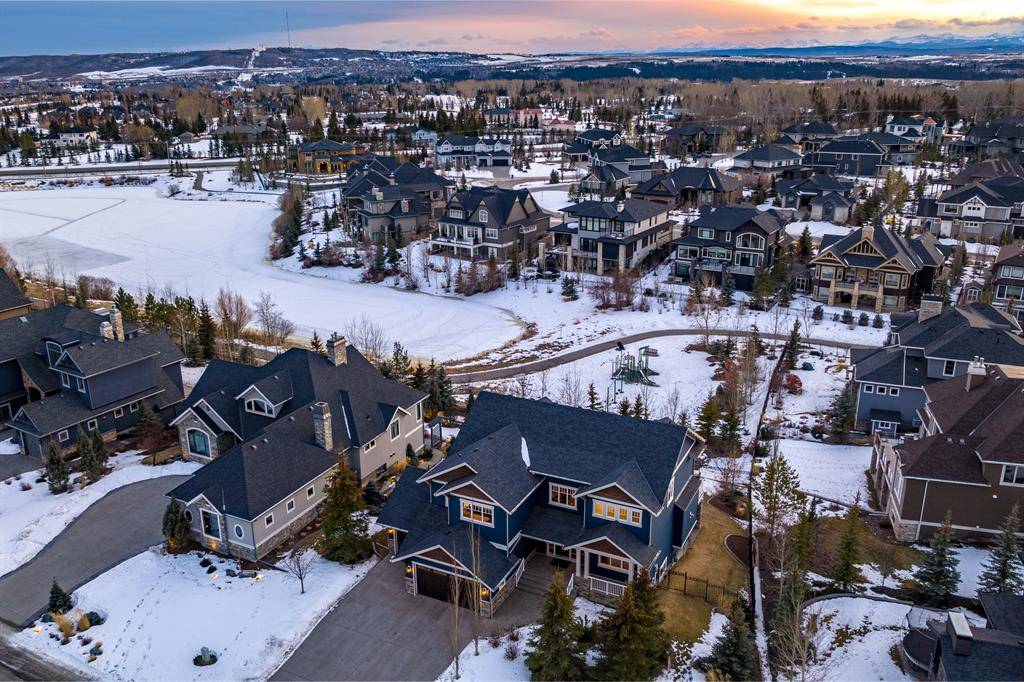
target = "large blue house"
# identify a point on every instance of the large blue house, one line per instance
(605, 494)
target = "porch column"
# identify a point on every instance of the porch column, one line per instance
(600, 261)
(632, 569)
(832, 291)
(568, 258)
(622, 257)
(586, 563)
(879, 299)
(579, 562)
(856, 294)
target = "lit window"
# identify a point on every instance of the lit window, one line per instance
(562, 495)
(211, 524)
(478, 513)
(617, 512)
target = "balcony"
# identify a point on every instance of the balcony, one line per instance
(862, 287)
(460, 241)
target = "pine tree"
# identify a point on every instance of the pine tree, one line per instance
(419, 378)
(1004, 571)
(411, 456)
(729, 432)
(842, 413)
(777, 493)
(708, 417)
(805, 247)
(639, 409)
(569, 289)
(625, 408)
(175, 525)
(844, 571)
(99, 455)
(316, 344)
(83, 450)
(937, 577)
(631, 642)
(345, 537)
(60, 601)
(792, 350)
(728, 290)
(593, 400)
(555, 651)
(470, 400)
(732, 655)
(57, 470)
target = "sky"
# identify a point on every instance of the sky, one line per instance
(525, 26)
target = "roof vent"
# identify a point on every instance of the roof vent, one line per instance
(949, 439)
(254, 446)
(267, 441)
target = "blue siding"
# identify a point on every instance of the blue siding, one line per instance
(642, 532)
(496, 534)
(906, 403)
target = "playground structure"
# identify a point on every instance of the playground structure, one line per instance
(632, 369)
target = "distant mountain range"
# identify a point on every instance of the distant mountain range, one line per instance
(945, 57)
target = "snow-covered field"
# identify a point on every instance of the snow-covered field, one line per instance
(856, 637)
(835, 472)
(801, 412)
(33, 517)
(161, 610)
(142, 240)
(817, 228)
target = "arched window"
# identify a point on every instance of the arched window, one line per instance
(749, 240)
(198, 443)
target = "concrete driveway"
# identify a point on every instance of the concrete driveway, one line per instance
(379, 632)
(119, 526)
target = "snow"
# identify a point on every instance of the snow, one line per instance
(800, 413)
(817, 228)
(34, 517)
(190, 375)
(835, 472)
(551, 199)
(9, 447)
(161, 610)
(972, 560)
(199, 247)
(875, 626)
(525, 452)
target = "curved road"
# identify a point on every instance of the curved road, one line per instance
(122, 524)
(565, 358)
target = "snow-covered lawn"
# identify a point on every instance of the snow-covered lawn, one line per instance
(856, 637)
(161, 610)
(801, 412)
(141, 240)
(9, 447)
(832, 471)
(33, 517)
(551, 199)
(817, 228)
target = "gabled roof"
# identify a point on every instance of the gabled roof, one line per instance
(964, 332)
(10, 296)
(694, 128)
(688, 177)
(498, 201)
(912, 254)
(735, 216)
(596, 134)
(770, 152)
(629, 210)
(618, 153)
(863, 147)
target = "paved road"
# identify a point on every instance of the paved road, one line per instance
(379, 632)
(11, 465)
(112, 168)
(565, 358)
(119, 526)
(18, 664)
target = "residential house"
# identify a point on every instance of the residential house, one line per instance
(1001, 137)
(12, 302)
(989, 169)
(952, 648)
(385, 212)
(273, 436)
(1007, 283)
(764, 164)
(633, 162)
(498, 116)
(819, 197)
(78, 136)
(480, 223)
(608, 236)
(466, 151)
(966, 459)
(988, 211)
(243, 132)
(65, 370)
(603, 495)
(899, 150)
(581, 149)
(848, 157)
(733, 239)
(378, 172)
(688, 186)
(875, 267)
(324, 157)
(809, 136)
(919, 127)
(604, 180)
(691, 138)
(924, 348)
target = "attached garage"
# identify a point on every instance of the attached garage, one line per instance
(438, 585)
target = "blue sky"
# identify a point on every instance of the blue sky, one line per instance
(85, 26)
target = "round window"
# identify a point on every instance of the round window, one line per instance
(238, 531)
(188, 516)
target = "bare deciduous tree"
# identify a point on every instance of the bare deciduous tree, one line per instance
(299, 564)
(233, 316)
(369, 337)
(570, 391)
(274, 327)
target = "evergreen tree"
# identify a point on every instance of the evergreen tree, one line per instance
(792, 349)
(937, 577)
(569, 289)
(728, 290)
(625, 408)
(57, 470)
(316, 344)
(419, 378)
(470, 399)
(841, 413)
(83, 450)
(593, 400)
(708, 417)
(99, 455)
(805, 246)
(631, 642)
(733, 656)
(411, 456)
(729, 432)
(345, 537)
(777, 493)
(175, 525)
(60, 601)
(639, 409)
(1003, 571)
(844, 568)
(555, 650)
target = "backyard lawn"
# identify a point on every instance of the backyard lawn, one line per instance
(687, 616)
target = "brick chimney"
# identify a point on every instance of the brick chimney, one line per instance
(322, 426)
(976, 373)
(114, 316)
(337, 349)
(107, 330)
(929, 308)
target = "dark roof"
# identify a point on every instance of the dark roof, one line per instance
(770, 152)
(500, 202)
(944, 458)
(994, 655)
(735, 216)
(618, 153)
(325, 146)
(1005, 612)
(852, 147)
(890, 365)
(493, 564)
(629, 210)
(410, 506)
(596, 134)
(693, 128)
(10, 296)
(964, 332)
(913, 254)
(990, 168)
(688, 177)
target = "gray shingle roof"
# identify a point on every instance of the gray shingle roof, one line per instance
(770, 152)
(10, 296)
(631, 211)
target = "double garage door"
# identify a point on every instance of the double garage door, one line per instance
(439, 585)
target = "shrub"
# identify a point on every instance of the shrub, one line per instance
(25, 485)
(83, 623)
(818, 313)
(793, 384)
(94, 618)
(67, 628)
(877, 323)
(513, 634)
(847, 316)
(863, 320)
(60, 601)
(511, 651)
(494, 640)
(205, 562)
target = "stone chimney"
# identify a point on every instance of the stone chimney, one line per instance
(976, 373)
(114, 316)
(337, 349)
(867, 233)
(107, 330)
(378, 194)
(322, 426)
(621, 206)
(930, 307)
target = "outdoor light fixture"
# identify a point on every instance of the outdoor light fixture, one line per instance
(408, 570)
(484, 592)
(258, 576)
